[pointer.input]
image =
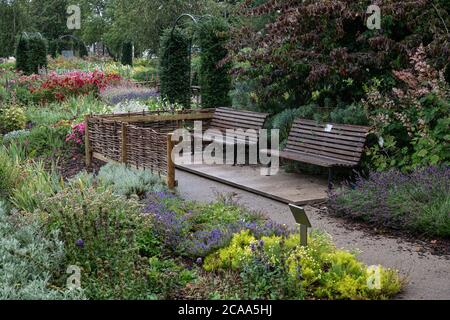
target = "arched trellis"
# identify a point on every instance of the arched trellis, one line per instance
(75, 38)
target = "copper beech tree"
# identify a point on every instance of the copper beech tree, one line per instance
(297, 49)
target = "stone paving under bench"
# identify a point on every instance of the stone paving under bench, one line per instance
(285, 187)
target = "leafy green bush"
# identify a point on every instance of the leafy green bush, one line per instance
(352, 114)
(13, 136)
(101, 231)
(318, 270)
(12, 118)
(31, 53)
(289, 53)
(284, 120)
(174, 67)
(215, 81)
(43, 141)
(142, 74)
(412, 121)
(29, 262)
(22, 54)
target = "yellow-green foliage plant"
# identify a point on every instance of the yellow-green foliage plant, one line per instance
(12, 118)
(324, 271)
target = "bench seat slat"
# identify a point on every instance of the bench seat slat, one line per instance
(338, 153)
(346, 127)
(236, 119)
(233, 124)
(329, 135)
(315, 159)
(347, 143)
(300, 142)
(245, 113)
(308, 158)
(335, 131)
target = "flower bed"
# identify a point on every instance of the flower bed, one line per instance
(163, 247)
(58, 87)
(127, 91)
(418, 202)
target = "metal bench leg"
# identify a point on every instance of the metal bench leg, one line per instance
(330, 178)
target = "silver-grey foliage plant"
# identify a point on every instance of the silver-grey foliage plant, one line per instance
(28, 260)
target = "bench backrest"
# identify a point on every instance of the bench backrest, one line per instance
(226, 118)
(337, 141)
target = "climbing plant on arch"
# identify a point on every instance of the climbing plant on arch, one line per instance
(215, 82)
(210, 35)
(175, 67)
(71, 42)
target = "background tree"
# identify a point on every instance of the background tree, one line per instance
(321, 52)
(127, 54)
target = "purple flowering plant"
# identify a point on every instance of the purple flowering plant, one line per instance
(127, 91)
(418, 201)
(195, 230)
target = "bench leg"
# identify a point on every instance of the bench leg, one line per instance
(330, 178)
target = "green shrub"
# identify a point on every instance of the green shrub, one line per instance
(101, 231)
(166, 276)
(284, 120)
(12, 118)
(31, 53)
(411, 121)
(22, 54)
(37, 53)
(127, 54)
(44, 141)
(29, 262)
(352, 114)
(142, 74)
(317, 271)
(175, 67)
(82, 50)
(127, 181)
(12, 136)
(215, 81)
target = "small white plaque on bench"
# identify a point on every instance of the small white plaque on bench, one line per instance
(328, 128)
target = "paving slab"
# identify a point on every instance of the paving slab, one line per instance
(284, 187)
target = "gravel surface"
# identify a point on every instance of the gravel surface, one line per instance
(428, 275)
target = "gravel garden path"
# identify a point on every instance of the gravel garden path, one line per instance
(428, 275)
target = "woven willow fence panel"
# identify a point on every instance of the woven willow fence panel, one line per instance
(147, 148)
(138, 139)
(105, 137)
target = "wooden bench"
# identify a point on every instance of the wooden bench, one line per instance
(325, 145)
(227, 118)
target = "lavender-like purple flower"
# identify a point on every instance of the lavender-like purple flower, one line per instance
(79, 243)
(392, 198)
